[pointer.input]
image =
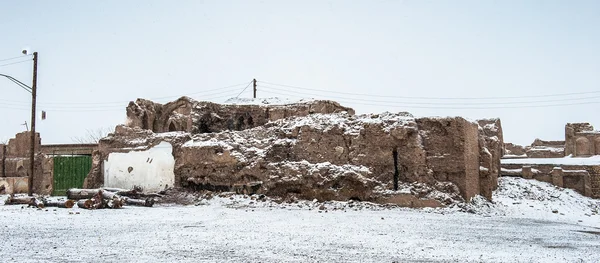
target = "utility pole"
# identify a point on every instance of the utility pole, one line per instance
(254, 82)
(32, 148)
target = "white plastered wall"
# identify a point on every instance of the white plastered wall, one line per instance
(151, 169)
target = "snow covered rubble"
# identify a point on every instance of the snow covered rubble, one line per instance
(288, 145)
(519, 226)
(336, 156)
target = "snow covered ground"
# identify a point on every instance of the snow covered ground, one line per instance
(529, 221)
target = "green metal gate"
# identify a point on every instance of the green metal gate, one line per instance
(69, 172)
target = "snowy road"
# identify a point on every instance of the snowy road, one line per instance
(217, 233)
(529, 221)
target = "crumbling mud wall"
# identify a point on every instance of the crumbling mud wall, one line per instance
(186, 114)
(538, 149)
(314, 150)
(581, 140)
(491, 149)
(546, 149)
(584, 179)
(14, 166)
(452, 151)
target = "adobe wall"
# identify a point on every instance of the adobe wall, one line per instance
(2, 159)
(14, 165)
(581, 140)
(585, 179)
(491, 149)
(186, 114)
(301, 153)
(452, 150)
(538, 149)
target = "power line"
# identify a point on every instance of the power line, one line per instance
(435, 98)
(2, 65)
(458, 108)
(115, 103)
(245, 88)
(95, 108)
(438, 103)
(7, 59)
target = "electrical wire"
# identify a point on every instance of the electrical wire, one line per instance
(244, 88)
(95, 108)
(2, 65)
(7, 59)
(436, 103)
(461, 108)
(116, 103)
(435, 98)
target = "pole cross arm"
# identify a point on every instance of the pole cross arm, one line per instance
(16, 81)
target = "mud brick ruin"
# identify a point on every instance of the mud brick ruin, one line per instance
(310, 150)
(570, 163)
(15, 161)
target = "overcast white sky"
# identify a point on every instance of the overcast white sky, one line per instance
(97, 56)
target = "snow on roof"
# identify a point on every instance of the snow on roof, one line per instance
(265, 101)
(593, 160)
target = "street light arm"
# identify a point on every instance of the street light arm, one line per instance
(16, 81)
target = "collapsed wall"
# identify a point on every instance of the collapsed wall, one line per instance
(388, 157)
(569, 163)
(15, 164)
(581, 140)
(538, 149)
(491, 149)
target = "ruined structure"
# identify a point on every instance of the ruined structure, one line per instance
(192, 116)
(312, 149)
(491, 142)
(581, 140)
(567, 163)
(538, 149)
(14, 165)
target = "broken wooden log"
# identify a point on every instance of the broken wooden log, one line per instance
(19, 200)
(37, 203)
(148, 202)
(85, 204)
(112, 200)
(77, 194)
(133, 193)
(61, 204)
